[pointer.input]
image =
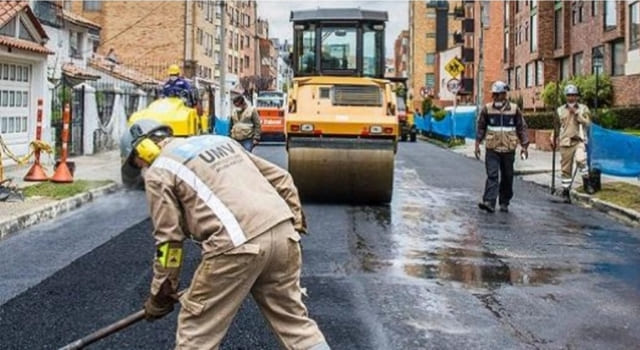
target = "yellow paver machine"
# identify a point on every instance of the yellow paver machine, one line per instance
(341, 123)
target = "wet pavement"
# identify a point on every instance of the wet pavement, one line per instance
(428, 271)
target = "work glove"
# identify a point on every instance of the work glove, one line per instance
(524, 153)
(161, 304)
(477, 151)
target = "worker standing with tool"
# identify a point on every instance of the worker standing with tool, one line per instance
(246, 214)
(574, 121)
(502, 126)
(245, 124)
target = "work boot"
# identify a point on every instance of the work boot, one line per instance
(504, 208)
(486, 206)
(566, 195)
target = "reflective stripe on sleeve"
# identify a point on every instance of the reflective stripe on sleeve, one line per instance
(209, 198)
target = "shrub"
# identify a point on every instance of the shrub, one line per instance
(438, 114)
(606, 118)
(587, 87)
(518, 101)
(540, 121)
(627, 117)
(427, 105)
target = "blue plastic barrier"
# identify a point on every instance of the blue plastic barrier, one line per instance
(222, 126)
(614, 153)
(463, 124)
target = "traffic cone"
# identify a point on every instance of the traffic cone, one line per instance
(62, 173)
(36, 173)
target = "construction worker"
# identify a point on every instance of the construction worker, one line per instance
(177, 86)
(574, 122)
(245, 124)
(245, 213)
(502, 127)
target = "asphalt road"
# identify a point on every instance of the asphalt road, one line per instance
(429, 271)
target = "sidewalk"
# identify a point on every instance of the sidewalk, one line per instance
(15, 216)
(538, 169)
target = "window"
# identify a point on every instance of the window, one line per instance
(230, 63)
(199, 36)
(338, 50)
(593, 61)
(517, 6)
(371, 56)
(430, 59)
(9, 29)
(563, 71)
(509, 77)
(246, 61)
(526, 31)
(634, 25)
(93, 5)
(306, 46)
(610, 15)
(529, 76)
(75, 44)
(558, 32)
(506, 13)
(539, 73)
(506, 46)
(577, 64)
(576, 12)
(533, 44)
(248, 42)
(429, 80)
(617, 57)
(24, 34)
(235, 65)
(517, 84)
(241, 65)
(594, 8)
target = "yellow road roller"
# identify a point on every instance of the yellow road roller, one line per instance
(341, 124)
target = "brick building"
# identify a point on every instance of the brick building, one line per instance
(528, 49)
(243, 43)
(483, 33)
(401, 54)
(611, 27)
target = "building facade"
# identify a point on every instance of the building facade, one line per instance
(23, 76)
(431, 28)
(401, 54)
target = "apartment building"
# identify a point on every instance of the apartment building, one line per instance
(431, 28)
(401, 54)
(612, 28)
(242, 39)
(150, 35)
(483, 33)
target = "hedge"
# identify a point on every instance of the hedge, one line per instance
(611, 118)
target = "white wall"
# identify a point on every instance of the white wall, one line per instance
(59, 43)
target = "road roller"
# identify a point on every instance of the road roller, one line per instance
(341, 124)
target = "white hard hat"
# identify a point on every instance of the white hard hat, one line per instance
(499, 87)
(571, 90)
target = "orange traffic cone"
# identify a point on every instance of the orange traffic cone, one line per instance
(62, 173)
(36, 173)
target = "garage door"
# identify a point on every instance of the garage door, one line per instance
(15, 90)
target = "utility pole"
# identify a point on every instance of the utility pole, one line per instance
(223, 60)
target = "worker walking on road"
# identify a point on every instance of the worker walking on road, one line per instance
(502, 126)
(245, 124)
(247, 216)
(574, 122)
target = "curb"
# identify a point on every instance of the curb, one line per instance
(53, 210)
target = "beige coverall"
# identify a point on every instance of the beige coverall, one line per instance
(573, 128)
(246, 213)
(245, 124)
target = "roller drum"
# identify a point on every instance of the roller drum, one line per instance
(342, 169)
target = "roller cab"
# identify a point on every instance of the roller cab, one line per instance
(341, 123)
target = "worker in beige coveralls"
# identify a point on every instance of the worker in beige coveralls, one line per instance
(246, 214)
(574, 121)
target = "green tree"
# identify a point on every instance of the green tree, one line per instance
(587, 87)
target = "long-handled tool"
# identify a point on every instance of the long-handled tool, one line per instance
(556, 131)
(105, 331)
(108, 330)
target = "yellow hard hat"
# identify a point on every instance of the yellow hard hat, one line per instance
(174, 69)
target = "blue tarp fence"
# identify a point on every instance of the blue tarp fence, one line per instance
(613, 152)
(221, 126)
(460, 124)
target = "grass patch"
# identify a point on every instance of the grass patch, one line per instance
(60, 191)
(632, 131)
(445, 143)
(621, 193)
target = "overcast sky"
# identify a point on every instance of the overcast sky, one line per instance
(278, 11)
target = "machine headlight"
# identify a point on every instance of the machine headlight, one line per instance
(306, 127)
(375, 129)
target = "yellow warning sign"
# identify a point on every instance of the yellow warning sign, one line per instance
(454, 67)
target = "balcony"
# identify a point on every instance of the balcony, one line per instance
(458, 12)
(467, 55)
(468, 25)
(458, 38)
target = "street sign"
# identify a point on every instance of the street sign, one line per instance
(453, 85)
(454, 67)
(426, 91)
